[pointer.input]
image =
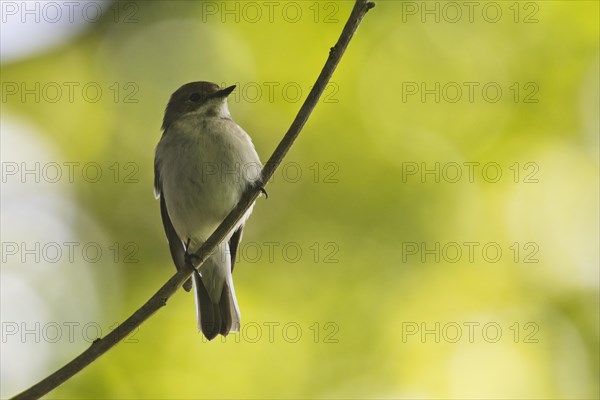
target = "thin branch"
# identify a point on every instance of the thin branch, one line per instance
(101, 346)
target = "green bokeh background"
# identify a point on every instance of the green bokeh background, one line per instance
(354, 292)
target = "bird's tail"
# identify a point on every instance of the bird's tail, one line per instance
(219, 317)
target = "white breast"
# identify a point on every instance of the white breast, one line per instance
(205, 165)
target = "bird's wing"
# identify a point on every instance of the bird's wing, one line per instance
(157, 184)
(175, 244)
(234, 241)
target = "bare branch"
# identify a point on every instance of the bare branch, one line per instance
(160, 298)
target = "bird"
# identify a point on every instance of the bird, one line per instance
(203, 164)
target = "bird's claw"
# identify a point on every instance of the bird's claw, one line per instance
(263, 191)
(191, 259)
(258, 184)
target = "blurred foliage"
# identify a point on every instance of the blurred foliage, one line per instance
(353, 204)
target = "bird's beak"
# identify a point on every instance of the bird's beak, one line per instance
(224, 92)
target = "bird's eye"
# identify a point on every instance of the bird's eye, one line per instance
(195, 97)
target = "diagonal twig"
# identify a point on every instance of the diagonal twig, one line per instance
(159, 299)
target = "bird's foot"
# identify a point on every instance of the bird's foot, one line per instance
(263, 191)
(258, 184)
(190, 259)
